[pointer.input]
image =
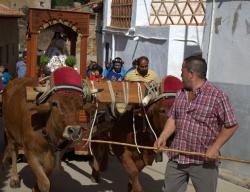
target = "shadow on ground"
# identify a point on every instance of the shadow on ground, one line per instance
(112, 180)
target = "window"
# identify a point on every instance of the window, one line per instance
(121, 13)
(177, 12)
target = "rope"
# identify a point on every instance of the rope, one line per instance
(112, 95)
(94, 120)
(125, 92)
(164, 95)
(43, 79)
(166, 149)
(56, 88)
(92, 128)
(135, 138)
(138, 93)
(87, 91)
(145, 113)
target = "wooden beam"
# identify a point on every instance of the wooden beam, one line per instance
(83, 56)
(33, 55)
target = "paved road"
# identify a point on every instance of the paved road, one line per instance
(76, 178)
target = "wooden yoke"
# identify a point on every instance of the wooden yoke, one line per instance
(122, 91)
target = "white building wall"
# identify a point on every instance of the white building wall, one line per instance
(183, 42)
(229, 45)
(166, 46)
(141, 12)
(226, 47)
(106, 13)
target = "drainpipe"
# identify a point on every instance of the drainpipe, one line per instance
(210, 38)
(103, 49)
(113, 46)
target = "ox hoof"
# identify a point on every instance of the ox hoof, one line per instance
(95, 179)
(129, 187)
(15, 182)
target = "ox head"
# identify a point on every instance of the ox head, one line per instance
(65, 100)
(65, 112)
(60, 115)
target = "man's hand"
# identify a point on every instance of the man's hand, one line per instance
(159, 143)
(224, 135)
(212, 153)
(168, 130)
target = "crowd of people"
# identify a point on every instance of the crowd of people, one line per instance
(116, 71)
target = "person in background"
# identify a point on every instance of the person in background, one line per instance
(201, 120)
(5, 77)
(89, 68)
(117, 71)
(142, 72)
(96, 73)
(134, 65)
(106, 69)
(21, 66)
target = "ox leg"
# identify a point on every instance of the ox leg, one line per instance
(95, 177)
(14, 178)
(58, 162)
(43, 183)
(130, 167)
(6, 157)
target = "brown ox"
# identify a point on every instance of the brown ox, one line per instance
(40, 129)
(132, 161)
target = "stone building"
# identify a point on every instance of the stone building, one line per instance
(23, 5)
(9, 37)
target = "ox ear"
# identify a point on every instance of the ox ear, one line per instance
(40, 116)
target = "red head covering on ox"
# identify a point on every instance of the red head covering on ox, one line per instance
(67, 76)
(171, 84)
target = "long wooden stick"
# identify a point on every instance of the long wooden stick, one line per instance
(166, 149)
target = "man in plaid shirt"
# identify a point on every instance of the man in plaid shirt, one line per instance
(202, 120)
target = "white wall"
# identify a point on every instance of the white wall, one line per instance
(141, 12)
(107, 13)
(226, 47)
(183, 42)
(229, 46)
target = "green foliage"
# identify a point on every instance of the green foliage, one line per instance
(70, 61)
(43, 60)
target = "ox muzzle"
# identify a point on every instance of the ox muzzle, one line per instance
(72, 132)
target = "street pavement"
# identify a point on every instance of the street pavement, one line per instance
(76, 178)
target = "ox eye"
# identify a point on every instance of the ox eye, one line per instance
(161, 110)
(54, 104)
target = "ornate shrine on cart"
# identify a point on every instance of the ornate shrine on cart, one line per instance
(75, 24)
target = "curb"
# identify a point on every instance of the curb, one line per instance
(233, 178)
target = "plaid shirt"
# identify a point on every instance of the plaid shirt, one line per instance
(199, 121)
